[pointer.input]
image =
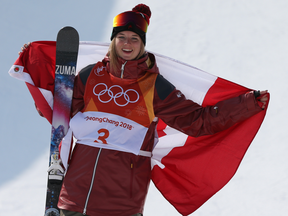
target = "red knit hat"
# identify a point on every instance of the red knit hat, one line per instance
(136, 20)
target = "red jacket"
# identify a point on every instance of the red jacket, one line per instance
(107, 182)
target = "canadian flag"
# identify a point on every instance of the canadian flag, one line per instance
(186, 170)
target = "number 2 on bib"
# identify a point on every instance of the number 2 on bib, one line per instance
(103, 135)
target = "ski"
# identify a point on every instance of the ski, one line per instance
(67, 46)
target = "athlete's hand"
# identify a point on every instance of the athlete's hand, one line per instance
(262, 98)
(24, 47)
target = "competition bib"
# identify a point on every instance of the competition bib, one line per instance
(104, 130)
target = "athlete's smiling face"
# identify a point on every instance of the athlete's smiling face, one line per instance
(128, 45)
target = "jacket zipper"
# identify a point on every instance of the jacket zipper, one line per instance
(122, 70)
(92, 182)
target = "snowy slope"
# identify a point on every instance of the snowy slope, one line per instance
(242, 41)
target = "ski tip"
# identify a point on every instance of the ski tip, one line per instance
(67, 39)
(68, 28)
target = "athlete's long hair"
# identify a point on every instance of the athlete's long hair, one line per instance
(112, 54)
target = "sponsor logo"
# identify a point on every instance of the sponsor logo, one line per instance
(98, 70)
(114, 93)
(66, 70)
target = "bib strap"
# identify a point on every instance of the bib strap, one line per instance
(145, 153)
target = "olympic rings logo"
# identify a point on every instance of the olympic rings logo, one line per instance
(126, 95)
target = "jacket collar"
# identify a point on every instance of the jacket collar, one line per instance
(133, 69)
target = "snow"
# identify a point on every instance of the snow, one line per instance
(242, 41)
